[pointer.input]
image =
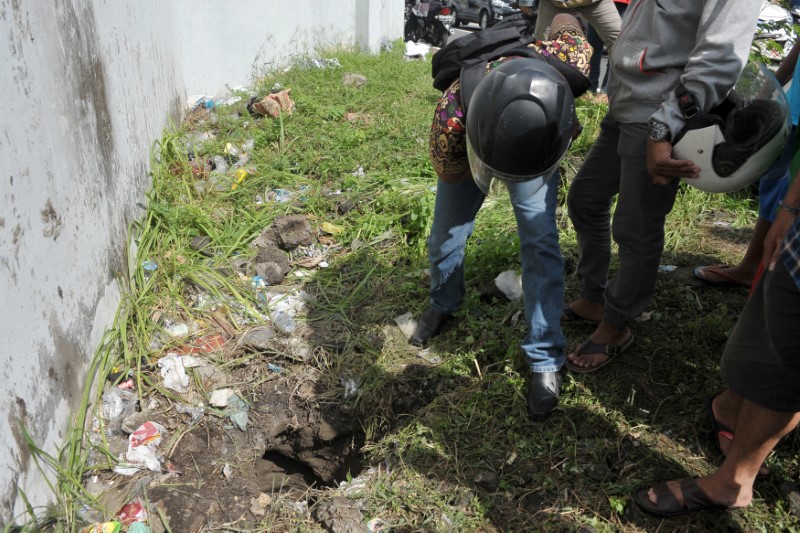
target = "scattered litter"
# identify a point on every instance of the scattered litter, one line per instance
(220, 397)
(417, 51)
(279, 196)
(258, 506)
(331, 229)
(173, 370)
(195, 412)
(321, 63)
(406, 323)
(238, 178)
(143, 449)
(237, 410)
(359, 172)
(350, 386)
(132, 512)
(284, 322)
(375, 525)
(272, 105)
(149, 266)
(510, 283)
(118, 403)
(274, 368)
(259, 338)
(430, 357)
(644, 317)
(176, 330)
(220, 164)
(139, 527)
(206, 344)
(667, 268)
(227, 471)
(105, 527)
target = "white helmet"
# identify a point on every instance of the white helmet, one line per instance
(736, 142)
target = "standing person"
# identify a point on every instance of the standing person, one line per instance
(601, 14)
(597, 57)
(764, 343)
(771, 189)
(520, 123)
(697, 49)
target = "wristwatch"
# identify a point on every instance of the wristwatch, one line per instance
(658, 131)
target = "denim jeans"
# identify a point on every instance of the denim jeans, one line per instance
(534, 205)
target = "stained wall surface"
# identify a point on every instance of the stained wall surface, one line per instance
(87, 86)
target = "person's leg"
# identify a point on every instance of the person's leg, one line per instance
(638, 229)
(595, 63)
(453, 222)
(732, 484)
(604, 17)
(534, 205)
(544, 18)
(589, 203)
(771, 189)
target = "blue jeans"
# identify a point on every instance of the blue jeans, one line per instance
(534, 205)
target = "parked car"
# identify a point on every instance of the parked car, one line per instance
(484, 12)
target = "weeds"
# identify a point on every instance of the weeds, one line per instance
(451, 443)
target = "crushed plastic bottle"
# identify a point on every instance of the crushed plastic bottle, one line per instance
(284, 322)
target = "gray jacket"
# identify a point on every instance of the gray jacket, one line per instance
(703, 44)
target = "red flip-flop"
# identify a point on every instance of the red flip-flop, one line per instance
(717, 276)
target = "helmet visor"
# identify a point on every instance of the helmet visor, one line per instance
(483, 175)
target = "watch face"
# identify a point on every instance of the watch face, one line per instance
(658, 131)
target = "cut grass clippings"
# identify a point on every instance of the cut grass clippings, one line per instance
(451, 446)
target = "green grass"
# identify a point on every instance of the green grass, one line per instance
(437, 429)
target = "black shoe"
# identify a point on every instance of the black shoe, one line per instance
(543, 390)
(428, 326)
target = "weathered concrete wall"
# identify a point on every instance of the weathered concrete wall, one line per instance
(229, 42)
(83, 98)
(87, 85)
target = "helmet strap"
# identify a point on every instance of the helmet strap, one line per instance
(687, 102)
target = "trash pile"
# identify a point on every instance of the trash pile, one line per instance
(222, 423)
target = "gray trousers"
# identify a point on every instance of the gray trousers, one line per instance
(616, 165)
(603, 15)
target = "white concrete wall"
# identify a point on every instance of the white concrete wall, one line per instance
(87, 86)
(228, 42)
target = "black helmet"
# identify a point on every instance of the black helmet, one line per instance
(735, 143)
(520, 123)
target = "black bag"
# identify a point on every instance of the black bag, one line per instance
(509, 33)
(466, 57)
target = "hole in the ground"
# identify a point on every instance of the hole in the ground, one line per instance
(279, 470)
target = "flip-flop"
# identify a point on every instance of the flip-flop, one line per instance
(694, 499)
(569, 315)
(723, 279)
(612, 351)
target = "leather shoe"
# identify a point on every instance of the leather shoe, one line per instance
(543, 391)
(428, 326)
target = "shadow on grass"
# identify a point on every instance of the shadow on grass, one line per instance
(463, 421)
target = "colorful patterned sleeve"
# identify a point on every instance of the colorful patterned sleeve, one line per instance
(569, 44)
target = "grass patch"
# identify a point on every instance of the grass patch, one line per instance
(452, 442)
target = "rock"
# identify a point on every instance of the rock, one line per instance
(201, 244)
(345, 206)
(354, 80)
(272, 264)
(489, 481)
(339, 515)
(258, 506)
(597, 472)
(292, 231)
(259, 338)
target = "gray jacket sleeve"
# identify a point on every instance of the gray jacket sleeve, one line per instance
(722, 46)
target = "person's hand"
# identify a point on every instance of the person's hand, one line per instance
(663, 168)
(773, 242)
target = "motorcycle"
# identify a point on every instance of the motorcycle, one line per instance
(430, 22)
(775, 33)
